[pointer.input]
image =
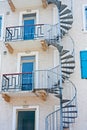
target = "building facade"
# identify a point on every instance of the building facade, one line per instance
(43, 65)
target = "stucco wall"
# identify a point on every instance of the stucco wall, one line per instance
(46, 60)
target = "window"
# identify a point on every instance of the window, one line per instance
(85, 17)
(0, 25)
(83, 62)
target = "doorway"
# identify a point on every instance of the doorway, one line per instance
(26, 120)
(27, 68)
(29, 21)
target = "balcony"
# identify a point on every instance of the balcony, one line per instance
(28, 37)
(28, 84)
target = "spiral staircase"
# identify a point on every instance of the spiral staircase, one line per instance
(64, 116)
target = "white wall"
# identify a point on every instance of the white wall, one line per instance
(46, 59)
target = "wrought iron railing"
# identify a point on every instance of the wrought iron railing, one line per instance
(27, 32)
(17, 81)
(69, 113)
(39, 79)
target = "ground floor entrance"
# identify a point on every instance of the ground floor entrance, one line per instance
(26, 120)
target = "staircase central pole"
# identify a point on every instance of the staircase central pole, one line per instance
(60, 72)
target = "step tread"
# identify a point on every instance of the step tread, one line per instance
(69, 111)
(58, 96)
(65, 76)
(69, 17)
(68, 67)
(67, 106)
(66, 57)
(62, 7)
(65, 100)
(64, 52)
(72, 117)
(67, 11)
(68, 62)
(65, 127)
(67, 22)
(68, 122)
(62, 32)
(67, 72)
(65, 27)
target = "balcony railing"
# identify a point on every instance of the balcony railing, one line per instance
(39, 79)
(17, 81)
(27, 32)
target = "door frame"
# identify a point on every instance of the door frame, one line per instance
(29, 12)
(35, 53)
(25, 108)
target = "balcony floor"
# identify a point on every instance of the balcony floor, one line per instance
(25, 45)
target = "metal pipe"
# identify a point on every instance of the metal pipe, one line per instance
(60, 73)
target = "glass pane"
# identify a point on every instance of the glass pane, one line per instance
(24, 58)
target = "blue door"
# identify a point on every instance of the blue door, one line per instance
(27, 76)
(26, 120)
(29, 29)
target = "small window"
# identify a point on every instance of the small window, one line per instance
(85, 17)
(83, 62)
(0, 25)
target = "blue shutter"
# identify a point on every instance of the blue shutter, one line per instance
(29, 29)
(83, 61)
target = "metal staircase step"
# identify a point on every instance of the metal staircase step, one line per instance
(66, 57)
(49, 1)
(62, 7)
(65, 127)
(67, 122)
(57, 3)
(68, 62)
(65, 100)
(67, 11)
(64, 52)
(66, 72)
(64, 78)
(57, 84)
(67, 22)
(69, 106)
(55, 92)
(62, 32)
(65, 27)
(65, 75)
(69, 111)
(52, 91)
(54, 88)
(68, 67)
(67, 17)
(71, 117)
(58, 96)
